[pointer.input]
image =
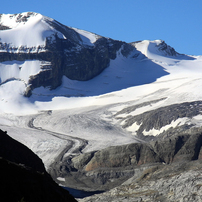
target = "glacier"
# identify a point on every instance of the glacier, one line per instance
(84, 116)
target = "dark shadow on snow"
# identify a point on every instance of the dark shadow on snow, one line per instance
(145, 71)
(80, 193)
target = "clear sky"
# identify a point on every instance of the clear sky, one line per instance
(177, 22)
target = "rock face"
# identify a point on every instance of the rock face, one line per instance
(75, 61)
(122, 156)
(18, 153)
(161, 117)
(164, 183)
(107, 168)
(167, 170)
(173, 154)
(23, 176)
(69, 55)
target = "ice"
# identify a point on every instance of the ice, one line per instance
(61, 179)
(84, 110)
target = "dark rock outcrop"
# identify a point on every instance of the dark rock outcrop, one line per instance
(23, 176)
(20, 183)
(107, 168)
(18, 153)
(156, 119)
(122, 156)
(167, 49)
(76, 61)
(164, 183)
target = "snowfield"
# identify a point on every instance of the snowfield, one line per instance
(81, 115)
(59, 121)
(88, 38)
(30, 33)
(30, 30)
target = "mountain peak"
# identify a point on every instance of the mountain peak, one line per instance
(37, 51)
(156, 47)
(14, 20)
(26, 29)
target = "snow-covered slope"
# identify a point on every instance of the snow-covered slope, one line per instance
(83, 115)
(123, 72)
(70, 52)
(182, 83)
(32, 30)
(26, 29)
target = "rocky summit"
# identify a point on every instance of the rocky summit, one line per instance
(69, 53)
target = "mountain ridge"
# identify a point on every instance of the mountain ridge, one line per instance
(103, 113)
(69, 55)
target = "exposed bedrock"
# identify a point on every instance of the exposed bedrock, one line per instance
(182, 147)
(163, 183)
(163, 116)
(110, 167)
(68, 57)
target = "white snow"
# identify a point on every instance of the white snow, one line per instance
(87, 38)
(20, 70)
(133, 128)
(61, 179)
(14, 78)
(86, 109)
(31, 33)
(12, 20)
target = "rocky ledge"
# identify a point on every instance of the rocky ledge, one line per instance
(163, 183)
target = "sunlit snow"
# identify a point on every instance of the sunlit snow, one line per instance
(88, 38)
(79, 111)
(31, 33)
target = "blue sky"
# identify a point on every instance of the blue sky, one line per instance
(177, 22)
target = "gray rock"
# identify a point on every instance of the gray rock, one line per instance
(156, 119)
(175, 182)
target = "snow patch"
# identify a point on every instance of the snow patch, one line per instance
(61, 179)
(88, 38)
(133, 128)
(178, 122)
(18, 70)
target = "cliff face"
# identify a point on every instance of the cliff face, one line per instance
(23, 176)
(16, 152)
(70, 54)
(75, 61)
(112, 166)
